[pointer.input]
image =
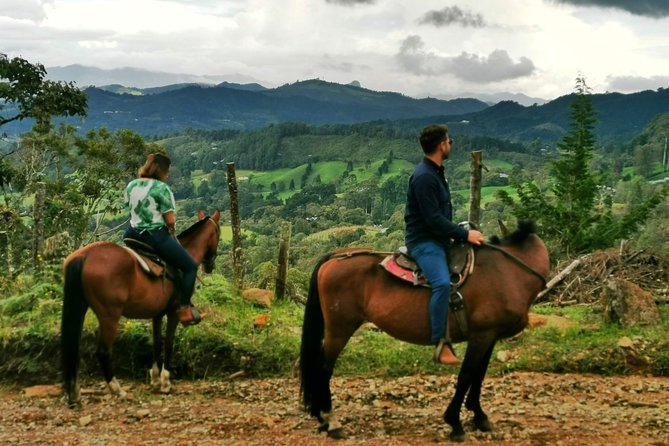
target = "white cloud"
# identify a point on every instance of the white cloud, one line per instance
(32, 10)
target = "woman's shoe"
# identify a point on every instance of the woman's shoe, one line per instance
(188, 315)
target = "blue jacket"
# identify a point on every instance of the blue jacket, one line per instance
(428, 212)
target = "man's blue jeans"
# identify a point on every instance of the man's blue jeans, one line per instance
(432, 260)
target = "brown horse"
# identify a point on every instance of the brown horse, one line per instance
(350, 288)
(108, 279)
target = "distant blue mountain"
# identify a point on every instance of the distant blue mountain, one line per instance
(230, 105)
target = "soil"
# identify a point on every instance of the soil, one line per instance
(525, 408)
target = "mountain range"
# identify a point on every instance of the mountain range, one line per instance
(244, 106)
(136, 78)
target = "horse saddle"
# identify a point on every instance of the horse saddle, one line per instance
(460, 264)
(148, 259)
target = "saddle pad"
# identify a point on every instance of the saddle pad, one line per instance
(148, 265)
(390, 264)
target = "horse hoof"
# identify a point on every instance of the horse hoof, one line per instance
(74, 405)
(458, 437)
(336, 434)
(484, 424)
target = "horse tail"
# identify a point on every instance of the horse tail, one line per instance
(72, 321)
(311, 351)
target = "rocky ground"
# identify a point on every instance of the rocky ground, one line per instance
(526, 409)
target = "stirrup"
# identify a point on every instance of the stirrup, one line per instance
(194, 313)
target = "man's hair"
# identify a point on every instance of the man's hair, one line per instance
(431, 136)
(156, 166)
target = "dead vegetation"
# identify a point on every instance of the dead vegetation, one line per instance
(582, 280)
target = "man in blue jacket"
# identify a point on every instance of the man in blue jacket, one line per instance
(430, 230)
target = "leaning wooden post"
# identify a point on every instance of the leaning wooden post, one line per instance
(282, 269)
(237, 270)
(475, 188)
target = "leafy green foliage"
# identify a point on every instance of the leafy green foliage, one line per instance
(570, 215)
(26, 94)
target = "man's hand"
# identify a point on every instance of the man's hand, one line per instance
(475, 237)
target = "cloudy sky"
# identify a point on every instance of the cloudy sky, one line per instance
(421, 48)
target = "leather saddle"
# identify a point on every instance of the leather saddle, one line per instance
(460, 264)
(149, 260)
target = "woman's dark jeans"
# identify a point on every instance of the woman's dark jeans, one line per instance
(170, 250)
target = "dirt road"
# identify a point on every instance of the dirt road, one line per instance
(526, 409)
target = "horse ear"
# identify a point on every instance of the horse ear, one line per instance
(502, 228)
(200, 215)
(216, 216)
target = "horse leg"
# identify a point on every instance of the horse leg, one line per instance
(108, 329)
(154, 371)
(473, 401)
(74, 312)
(332, 347)
(172, 323)
(478, 349)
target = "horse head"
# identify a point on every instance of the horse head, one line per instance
(212, 247)
(201, 239)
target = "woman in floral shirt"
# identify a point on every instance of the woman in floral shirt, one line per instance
(153, 221)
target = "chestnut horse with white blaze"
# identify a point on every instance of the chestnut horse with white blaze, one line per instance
(109, 280)
(348, 288)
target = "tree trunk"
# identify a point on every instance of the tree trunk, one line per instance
(38, 225)
(237, 270)
(282, 269)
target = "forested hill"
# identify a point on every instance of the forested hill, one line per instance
(311, 102)
(619, 118)
(175, 108)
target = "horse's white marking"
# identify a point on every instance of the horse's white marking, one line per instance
(165, 384)
(154, 375)
(160, 378)
(115, 388)
(330, 420)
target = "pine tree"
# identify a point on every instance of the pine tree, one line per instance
(569, 217)
(575, 186)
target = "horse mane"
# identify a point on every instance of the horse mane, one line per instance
(525, 229)
(188, 231)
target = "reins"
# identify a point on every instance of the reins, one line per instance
(518, 261)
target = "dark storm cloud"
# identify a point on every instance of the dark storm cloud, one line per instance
(351, 2)
(649, 8)
(452, 15)
(495, 67)
(498, 66)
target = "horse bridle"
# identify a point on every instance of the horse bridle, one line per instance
(518, 261)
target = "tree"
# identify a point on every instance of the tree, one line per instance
(575, 185)
(26, 94)
(570, 216)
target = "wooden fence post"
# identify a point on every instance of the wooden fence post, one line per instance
(282, 268)
(237, 269)
(475, 188)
